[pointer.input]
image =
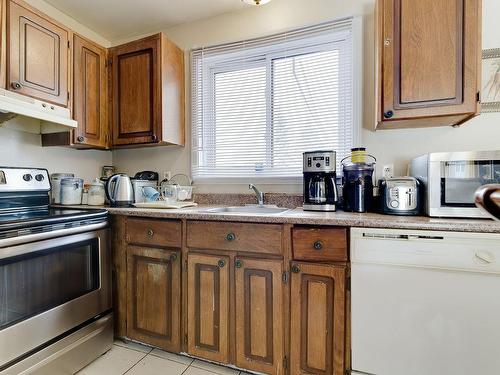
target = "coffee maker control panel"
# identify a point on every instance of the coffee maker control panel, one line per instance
(319, 161)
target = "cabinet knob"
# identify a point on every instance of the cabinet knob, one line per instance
(154, 138)
(238, 263)
(15, 85)
(151, 233)
(318, 245)
(388, 114)
(173, 257)
(295, 268)
(80, 139)
(230, 237)
(221, 263)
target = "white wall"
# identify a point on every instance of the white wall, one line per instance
(19, 148)
(389, 146)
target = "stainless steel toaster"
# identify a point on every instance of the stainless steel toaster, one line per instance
(400, 196)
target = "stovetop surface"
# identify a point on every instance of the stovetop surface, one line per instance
(30, 218)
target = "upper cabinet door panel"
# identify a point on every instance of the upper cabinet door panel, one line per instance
(89, 92)
(426, 76)
(136, 96)
(38, 56)
(429, 51)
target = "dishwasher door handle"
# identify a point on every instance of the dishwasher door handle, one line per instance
(484, 257)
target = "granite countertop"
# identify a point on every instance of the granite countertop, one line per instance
(298, 216)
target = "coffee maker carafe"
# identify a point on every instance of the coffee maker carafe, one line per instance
(320, 189)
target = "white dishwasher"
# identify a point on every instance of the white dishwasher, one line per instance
(425, 302)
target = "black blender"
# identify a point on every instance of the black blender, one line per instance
(358, 180)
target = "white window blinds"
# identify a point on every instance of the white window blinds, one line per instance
(257, 105)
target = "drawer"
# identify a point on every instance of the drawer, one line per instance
(320, 244)
(163, 233)
(259, 238)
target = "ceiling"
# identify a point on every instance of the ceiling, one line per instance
(120, 19)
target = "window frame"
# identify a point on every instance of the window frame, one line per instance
(265, 55)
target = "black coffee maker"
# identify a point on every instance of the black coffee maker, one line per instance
(320, 189)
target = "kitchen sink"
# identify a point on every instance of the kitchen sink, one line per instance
(250, 209)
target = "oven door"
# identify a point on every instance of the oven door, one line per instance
(50, 287)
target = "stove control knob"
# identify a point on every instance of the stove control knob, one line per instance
(39, 177)
(27, 177)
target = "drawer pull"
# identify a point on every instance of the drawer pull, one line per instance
(151, 233)
(221, 263)
(318, 245)
(230, 237)
(295, 269)
(16, 85)
(173, 257)
(238, 263)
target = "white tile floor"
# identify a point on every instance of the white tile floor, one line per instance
(134, 359)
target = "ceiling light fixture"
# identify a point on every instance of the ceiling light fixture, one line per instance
(256, 2)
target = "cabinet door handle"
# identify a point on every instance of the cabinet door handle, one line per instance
(230, 237)
(238, 263)
(151, 233)
(16, 85)
(173, 257)
(295, 268)
(154, 138)
(221, 263)
(318, 245)
(80, 139)
(388, 114)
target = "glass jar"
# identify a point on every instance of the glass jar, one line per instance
(96, 193)
(71, 191)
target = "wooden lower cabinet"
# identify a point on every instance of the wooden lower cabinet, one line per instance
(317, 319)
(208, 307)
(153, 296)
(259, 315)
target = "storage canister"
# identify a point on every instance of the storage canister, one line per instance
(55, 182)
(71, 191)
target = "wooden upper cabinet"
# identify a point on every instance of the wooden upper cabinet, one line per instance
(428, 56)
(153, 296)
(208, 307)
(89, 93)
(148, 92)
(317, 313)
(259, 315)
(38, 54)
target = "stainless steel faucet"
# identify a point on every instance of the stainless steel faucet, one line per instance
(258, 193)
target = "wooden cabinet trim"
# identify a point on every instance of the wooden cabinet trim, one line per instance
(332, 280)
(242, 237)
(218, 324)
(92, 130)
(57, 91)
(154, 232)
(157, 327)
(320, 244)
(260, 347)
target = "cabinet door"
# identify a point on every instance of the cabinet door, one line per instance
(38, 55)
(89, 93)
(429, 51)
(153, 297)
(317, 319)
(208, 307)
(136, 92)
(259, 315)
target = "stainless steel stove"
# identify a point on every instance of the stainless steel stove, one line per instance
(55, 279)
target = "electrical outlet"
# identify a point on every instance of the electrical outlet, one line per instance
(388, 171)
(167, 175)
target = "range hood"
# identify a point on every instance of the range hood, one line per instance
(53, 118)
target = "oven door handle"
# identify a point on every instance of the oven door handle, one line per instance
(11, 247)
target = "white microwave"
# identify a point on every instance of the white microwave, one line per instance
(450, 180)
